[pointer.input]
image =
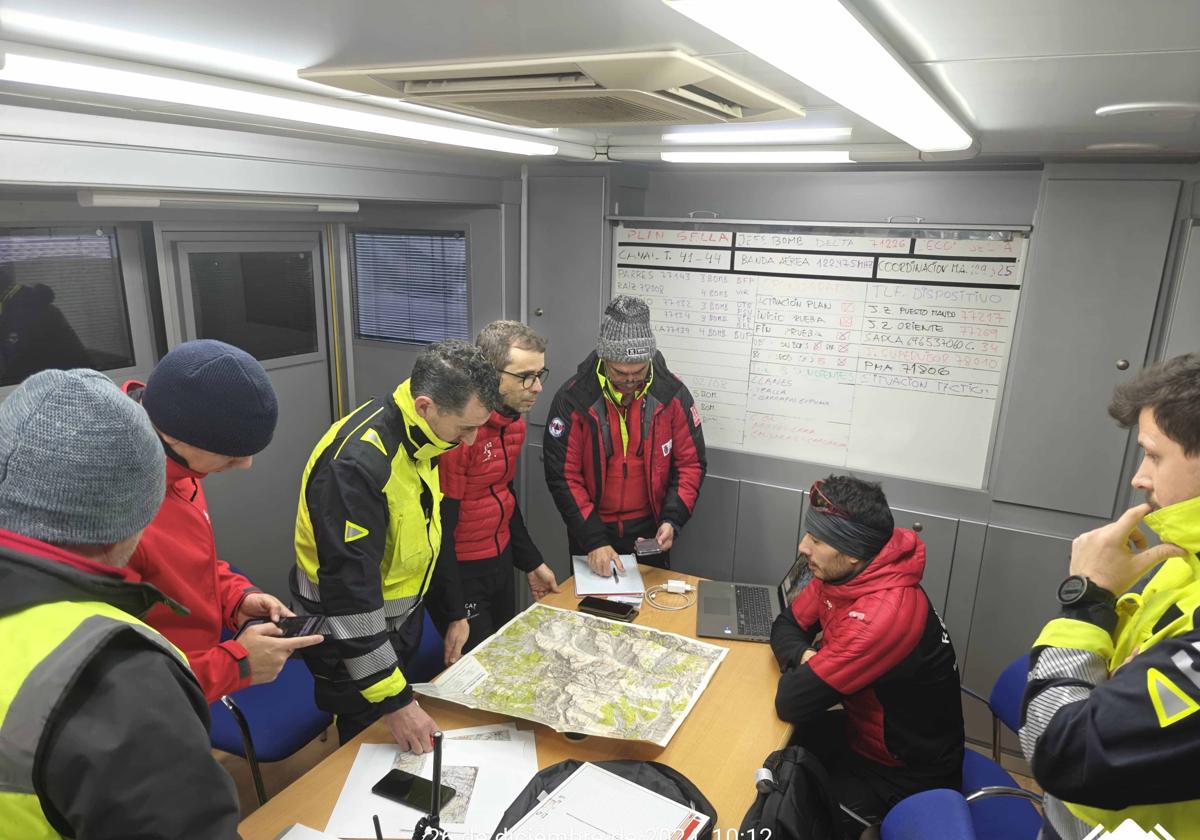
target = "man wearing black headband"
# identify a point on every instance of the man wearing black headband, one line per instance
(883, 653)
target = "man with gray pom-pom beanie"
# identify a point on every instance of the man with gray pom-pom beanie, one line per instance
(623, 449)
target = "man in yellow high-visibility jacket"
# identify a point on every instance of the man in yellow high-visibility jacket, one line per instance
(368, 535)
(1109, 720)
(103, 727)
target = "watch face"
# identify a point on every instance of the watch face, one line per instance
(1071, 589)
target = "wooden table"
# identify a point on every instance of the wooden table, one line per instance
(720, 744)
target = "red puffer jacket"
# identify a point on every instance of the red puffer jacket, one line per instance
(478, 475)
(178, 554)
(885, 654)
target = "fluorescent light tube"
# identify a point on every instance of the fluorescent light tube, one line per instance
(830, 156)
(112, 82)
(736, 136)
(823, 45)
(128, 198)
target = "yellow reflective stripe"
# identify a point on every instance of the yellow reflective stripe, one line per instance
(1080, 635)
(389, 686)
(346, 439)
(24, 818)
(614, 396)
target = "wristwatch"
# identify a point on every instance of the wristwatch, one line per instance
(1081, 590)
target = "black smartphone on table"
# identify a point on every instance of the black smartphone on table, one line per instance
(292, 626)
(413, 791)
(608, 609)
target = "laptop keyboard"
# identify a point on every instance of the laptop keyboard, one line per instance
(753, 610)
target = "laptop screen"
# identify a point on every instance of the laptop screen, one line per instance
(794, 582)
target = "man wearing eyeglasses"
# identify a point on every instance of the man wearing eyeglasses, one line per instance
(479, 505)
(883, 653)
(624, 452)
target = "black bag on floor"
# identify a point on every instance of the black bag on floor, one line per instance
(649, 774)
(793, 801)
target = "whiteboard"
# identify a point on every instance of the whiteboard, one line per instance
(879, 349)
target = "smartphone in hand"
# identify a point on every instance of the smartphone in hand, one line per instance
(292, 626)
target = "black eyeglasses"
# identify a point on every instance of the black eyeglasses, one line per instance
(527, 379)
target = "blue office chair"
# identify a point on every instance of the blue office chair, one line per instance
(269, 722)
(940, 813)
(1000, 808)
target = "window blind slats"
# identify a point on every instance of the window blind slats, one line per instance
(410, 285)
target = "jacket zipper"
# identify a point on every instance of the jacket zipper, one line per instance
(492, 490)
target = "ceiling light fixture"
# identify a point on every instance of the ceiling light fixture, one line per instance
(807, 156)
(765, 136)
(96, 78)
(127, 198)
(1169, 108)
(840, 58)
(1123, 147)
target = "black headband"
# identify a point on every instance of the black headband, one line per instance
(847, 536)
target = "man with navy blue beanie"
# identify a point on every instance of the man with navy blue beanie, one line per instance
(214, 409)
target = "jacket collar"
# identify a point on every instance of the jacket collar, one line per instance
(33, 572)
(1179, 524)
(500, 419)
(615, 396)
(420, 441)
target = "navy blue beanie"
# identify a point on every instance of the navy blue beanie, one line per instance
(213, 396)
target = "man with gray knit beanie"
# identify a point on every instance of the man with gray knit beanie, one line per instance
(213, 409)
(624, 452)
(103, 727)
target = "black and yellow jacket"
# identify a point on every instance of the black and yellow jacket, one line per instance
(368, 534)
(1110, 721)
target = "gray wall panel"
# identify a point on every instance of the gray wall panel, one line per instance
(705, 548)
(1014, 600)
(1184, 335)
(1095, 267)
(964, 580)
(541, 516)
(567, 272)
(767, 525)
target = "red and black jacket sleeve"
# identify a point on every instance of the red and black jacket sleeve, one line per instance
(565, 445)
(525, 553)
(689, 461)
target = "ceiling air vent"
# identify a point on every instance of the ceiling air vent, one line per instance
(618, 89)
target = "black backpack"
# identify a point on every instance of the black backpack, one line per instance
(794, 803)
(649, 774)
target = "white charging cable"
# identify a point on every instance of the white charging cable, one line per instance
(672, 587)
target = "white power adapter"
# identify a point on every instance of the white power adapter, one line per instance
(672, 587)
(678, 586)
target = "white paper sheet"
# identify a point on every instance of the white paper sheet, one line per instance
(488, 775)
(628, 582)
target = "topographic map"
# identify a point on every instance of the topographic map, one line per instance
(579, 673)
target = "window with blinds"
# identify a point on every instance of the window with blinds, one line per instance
(410, 285)
(62, 301)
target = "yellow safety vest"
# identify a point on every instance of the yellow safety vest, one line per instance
(48, 646)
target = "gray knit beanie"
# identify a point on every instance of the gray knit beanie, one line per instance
(80, 463)
(625, 334)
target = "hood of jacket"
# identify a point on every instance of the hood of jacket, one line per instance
(33, 573)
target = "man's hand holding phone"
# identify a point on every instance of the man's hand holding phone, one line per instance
(268, 648)
(412, 728)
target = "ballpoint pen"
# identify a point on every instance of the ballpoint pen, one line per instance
(378, 829)
(615, 578)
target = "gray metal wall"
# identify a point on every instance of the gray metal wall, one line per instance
(1099, 287)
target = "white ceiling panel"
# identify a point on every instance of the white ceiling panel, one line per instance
(954, 30)
(1043, 97)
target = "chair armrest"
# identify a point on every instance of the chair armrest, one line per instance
(977, 696)
(990, 791)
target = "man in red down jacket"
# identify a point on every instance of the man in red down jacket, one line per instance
(883, 653)
(479, 506)
(624, 453)
(213, 409)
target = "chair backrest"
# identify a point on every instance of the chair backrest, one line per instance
(429, 660)
(941, 814)
(1009, 688)
(282, 715)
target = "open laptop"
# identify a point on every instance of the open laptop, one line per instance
(746, 611)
